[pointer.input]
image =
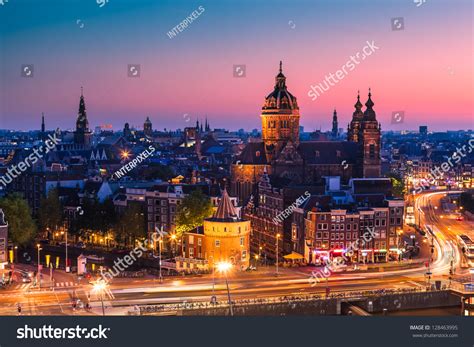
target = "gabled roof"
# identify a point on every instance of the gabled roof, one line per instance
(253, 153)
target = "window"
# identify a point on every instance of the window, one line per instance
(332, 236)
(348, 227)
(217, 243)
(244, 254)
(318, 235)
(199, 241)
(341, 236)
(372, 151)
(354, 236)
(326, 235)
(242, 241)
(191, 252)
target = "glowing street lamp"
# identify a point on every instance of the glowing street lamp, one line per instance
(173, 239)
(224, 267)
(99, 287)
(125, 155)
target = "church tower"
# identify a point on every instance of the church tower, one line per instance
(147, 127)
(357, 117)
(43, 128)
(280, 118)
(369, 141)
(334, 125)
(82, 135)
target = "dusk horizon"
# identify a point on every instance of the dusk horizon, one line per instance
(190, 76)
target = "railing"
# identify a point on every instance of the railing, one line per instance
(291, 299)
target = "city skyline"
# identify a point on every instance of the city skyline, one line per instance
(191, 76)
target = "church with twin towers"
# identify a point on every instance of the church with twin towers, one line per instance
(282, 155)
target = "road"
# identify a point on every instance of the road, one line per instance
(122, 294)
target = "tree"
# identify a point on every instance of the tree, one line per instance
(398, 188)
(192, 212)
(157, 171)
(131, 224)
(21, 227)
(50, 211)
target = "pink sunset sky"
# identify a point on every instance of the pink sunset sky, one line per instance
(425, 70)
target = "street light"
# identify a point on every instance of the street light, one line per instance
(277, 238)
(98, 287)
(256, 261)
(125, 154)
(224, 267)
(65, 234)
(39, 271)
(173, 238)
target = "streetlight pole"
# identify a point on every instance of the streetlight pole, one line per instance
(228, 295)
(160, 243)
(224, 267)
(277, 238)
(67, 267)
(39, 265)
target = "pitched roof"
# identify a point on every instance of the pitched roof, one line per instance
(253, 153)
(328, 152)
(225, 209)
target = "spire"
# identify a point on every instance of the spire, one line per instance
(334, 124)
(280, 79)
(369, 102)
(358, 104)
(42, 123)
(369, 113)
(226, 209)
(82, 91)
(82, 123)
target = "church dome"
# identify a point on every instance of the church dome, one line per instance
(280, 98)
